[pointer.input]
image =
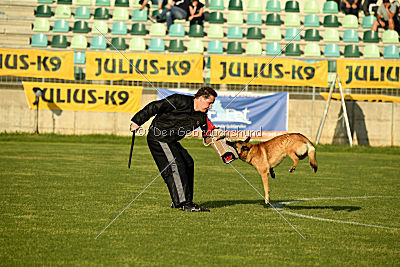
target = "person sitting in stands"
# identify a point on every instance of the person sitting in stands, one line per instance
(350, 7)
(387, 16)
(196, 15)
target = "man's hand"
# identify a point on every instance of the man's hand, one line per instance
(134, 127)
(382, 23)
(354, 6)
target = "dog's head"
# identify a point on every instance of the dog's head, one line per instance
(241, 147)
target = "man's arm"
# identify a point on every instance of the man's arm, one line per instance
(143, 4)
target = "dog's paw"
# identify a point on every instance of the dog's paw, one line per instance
(292, 169)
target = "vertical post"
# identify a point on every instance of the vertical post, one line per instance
(37, 116)
(346, 117)
(328, 101)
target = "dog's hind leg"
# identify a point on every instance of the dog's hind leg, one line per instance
(295, 159)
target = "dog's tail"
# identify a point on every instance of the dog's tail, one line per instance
(312, 155)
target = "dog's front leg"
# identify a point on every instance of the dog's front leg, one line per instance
(264, 177)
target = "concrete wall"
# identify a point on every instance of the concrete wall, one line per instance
(375, 124)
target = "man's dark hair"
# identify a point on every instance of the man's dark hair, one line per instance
(206, 92)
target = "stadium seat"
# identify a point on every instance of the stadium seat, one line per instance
(176, 30)
(100, 27)
(215, 32)
(43, 11)
(122, 3)
(253, 48)
(235, 32)
(351, 51)
(331, 35)
(137, 44)
(138, 29)
(331, 21)
(41, 25)
(176, 46)
(80, 26)
(292, 20)
(61, 25)
(62, 12)
(157, 45)
(84, 2)
(292, 34)
(391, 51)
(273, 34)
(312, 35)
(390, 37)
(98, 43)
(157, 12)
(59, 41)
(254, 33)
(158, 29)
(311, 6)
(254, 19)
(273, 19)
(79, 57)
(196, 30)
(273, 6)
(64, 2)
(120, 13)
(216, 17)
(370, 37)
(82, 12)
(254, 6)
(208, 62)
(78, 42)
(39, 40)
(371, 51)
(139, 15)
(312, 50)
(101, 13)
(292, 6)
(215, 47)
(216, 5)
(330, 7)
(119, 27)
(103, 3)
(350, 36)
(235, 17)
(136, 4)
(293, 50)
(195, 46)
(368, 21)
(273, 49)
(350, 22)
(118, 43)
(311, 20)
(45, 1)
(332, 50)
(79, 74)
(332, 65)
(235, 5)
(234, 47)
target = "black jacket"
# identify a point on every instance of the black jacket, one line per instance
(173, 122)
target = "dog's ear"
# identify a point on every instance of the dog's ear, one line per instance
(247, 139)
(229, 143)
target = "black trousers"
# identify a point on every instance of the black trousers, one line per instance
(176, 167)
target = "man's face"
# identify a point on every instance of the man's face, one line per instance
(386, 4)
(205, 103)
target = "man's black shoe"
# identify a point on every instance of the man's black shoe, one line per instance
(190, 206)
(173, 206)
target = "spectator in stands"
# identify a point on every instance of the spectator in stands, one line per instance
(145, 3)
(350, 7)
(196, 15)
(387, 17)
(176, 9)
(366, 4)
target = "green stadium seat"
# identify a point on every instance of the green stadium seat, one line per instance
(118, 43)
(368, 21)
(350, 36)
(215, 47)
(351, 51)
(80, 26)
(254, 19)
(390, 37)
(350, 22)
(331, 21)
(176, 30)
(216, 17)
(45, 1)
(79, 57)
(254, 33)
(43, 11)
(82, 12)
(208, 62)
(254, 6)
(332, 50)
(59, 41)
(176, 46)
(331, 35)
(61, 25)
(157, 12)
(371, 37)
(137, 44)
(235, 32)
(330, 7)
(332, 65)
(103, 3)
(39, 40)
(311, 20)
(312, 35)
(253, 48)
(391, 52)
(292, 34)
(196, 30)
(371, 51)
(84, 2)
(273, 34)
(78, 42)
(158, 29)
(216, 5)
(101, 13)
(311, 6)
(235, 17)
(62, 12)
(157, 45)
(99, 27)
(64, 2)
(215, 32)
(136, 4)
(312, 50)
(292, 20)
(139, 15)
(273, 19)
(293, 50)
(41, 25)
(234, 47)
(79, 74)
(98, 43)
(273, 49)
(235, 5)
(121, 13)
(122, 3)
(138, 29)
(195, 46)
(292, 6)
(273, 6)
(119, 27)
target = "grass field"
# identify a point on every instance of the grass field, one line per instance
(58, 192)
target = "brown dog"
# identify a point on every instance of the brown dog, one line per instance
(264, 156)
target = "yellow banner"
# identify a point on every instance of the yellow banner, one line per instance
(369, 73)
(143, 67)
(37, 63)
(263, 71)
(84, 97)
(363, 98)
